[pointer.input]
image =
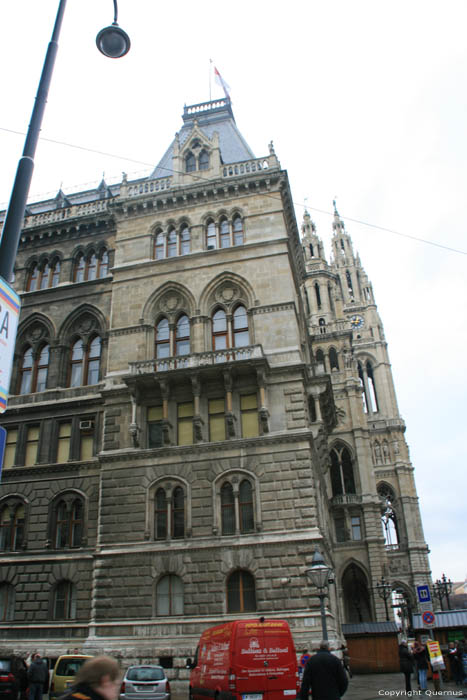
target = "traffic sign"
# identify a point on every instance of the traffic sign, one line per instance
(428, 618)
(423, 593)
(9, 313)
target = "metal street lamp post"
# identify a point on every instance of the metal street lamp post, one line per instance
(319, 575)
(111, 41)
(384, 590)
(443, 589)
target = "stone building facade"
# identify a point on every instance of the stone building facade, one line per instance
(199, 401)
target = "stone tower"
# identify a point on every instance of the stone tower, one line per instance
(186, 425)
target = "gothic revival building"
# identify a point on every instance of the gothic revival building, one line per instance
(199, 401)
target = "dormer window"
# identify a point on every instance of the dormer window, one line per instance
(203, 160)
(190, 163)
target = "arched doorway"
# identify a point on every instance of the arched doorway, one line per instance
(357, 603)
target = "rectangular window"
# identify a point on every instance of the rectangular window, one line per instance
(64, 442)
(10, 448)
(356, 528)
(155, 436)
(185, 423)
(339, 523)
(32, 444)
(216, 419)
(86, 450)
(249, 415)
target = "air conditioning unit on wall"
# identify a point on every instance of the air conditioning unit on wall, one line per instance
(86, 425)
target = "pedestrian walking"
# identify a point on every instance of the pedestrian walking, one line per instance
(324, 674)
(97, 679)
(346, 660)
(37, 676)
(406, 664)
(420, 656)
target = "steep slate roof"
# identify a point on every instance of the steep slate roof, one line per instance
(210, 116)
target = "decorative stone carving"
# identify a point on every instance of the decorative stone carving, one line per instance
(170, 302)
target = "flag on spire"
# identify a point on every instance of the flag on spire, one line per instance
(220, 81)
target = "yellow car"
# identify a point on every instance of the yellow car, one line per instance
(63, 675)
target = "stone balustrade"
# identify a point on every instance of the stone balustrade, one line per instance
(60, 215)
(346, 499)
(249, 166)
(158, 185)
(199, 359)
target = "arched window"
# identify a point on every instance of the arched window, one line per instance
(178, 513)
(312, 409)
(163, 338)
(349, 283)
(80, 266)
(182, 336)
(185, 240)
(322, 325)
(26, 372)
(77, 358)
(55, 272)
(94, 360)
(318, 295)
(41, 369)
(320, 358)
(245, 502)
(219, 330)
(241, 594)
(12, 524)
(103, 264)
(169, 595)
(7, 602)
(91, 267)
(203, 160)
(224, 232)
(240, 327)
(85, 362)
(389, 517)
(64, 601)
(331, 300)
(159, 246)
(33, 278)
(342, 477)
(45, 278)
(171, 243)
(356, 595)
(372, 386)
(160, 515)
(68, 522)
(367, 382)
(190, 163)
(237, 226)
(33, 372)
(333, 361)
(211, 236)
(227, 509)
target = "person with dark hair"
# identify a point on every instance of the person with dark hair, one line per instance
(324, 674)
(406, 664)
(97, 679)
(420, 656)
(37, 676)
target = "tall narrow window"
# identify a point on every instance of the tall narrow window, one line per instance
(185, 423)
(77, 360)
(224, 234)
(320, 358)
(333, 361)
(94, 360)
(219, 330)
(7, 602)
(26, 372)
(17, 534)
(240, 327)
(160, 515)
(155, 434)
(178, 513)
(45, 275)
(10, 448)
(211, 238)
(80, 267)
(182, 336)
(76, 523)
(356, 527)
(69, 521)
(331, 300)
(249, 415)
(64, 442)
(318, 295)
(61, 525)
(5, 529)
(163, 339)
(103, 264)
(245, 503)
(372, 386)
(32, 444)
(241, 595)
(340, 527)
(169, 596)
(184, 240)
(349, 282)
(55, 273)
(190, 163)
(203, 160)
(216, 409)
(160, 246)
(363, 387)
(42, 369)
(86, 445)
(91, 267)
(33, 278)
(171, 243)
(237, 230)
(227, 509)
(64, 604)
(342, 477)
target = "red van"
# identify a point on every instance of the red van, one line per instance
(245, 660)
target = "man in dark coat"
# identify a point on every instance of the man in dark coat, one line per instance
(98, 679)
(37, 676)
(406, 663)
(325, 675)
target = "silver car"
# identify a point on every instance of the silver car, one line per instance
(145, 683)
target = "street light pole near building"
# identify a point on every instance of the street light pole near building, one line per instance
(384, 591)
(443, 589)
(112, 42)
(319, 575)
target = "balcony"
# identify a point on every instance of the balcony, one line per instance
(198, 360)
(346, 499)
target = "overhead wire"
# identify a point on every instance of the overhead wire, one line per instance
(205, 179)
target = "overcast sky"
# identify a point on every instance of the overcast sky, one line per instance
(365, 102)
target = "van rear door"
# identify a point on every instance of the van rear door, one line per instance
(265, 661)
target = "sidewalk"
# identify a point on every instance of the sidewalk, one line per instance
(375, 686)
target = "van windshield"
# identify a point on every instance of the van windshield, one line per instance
(69, 667)
(145, 674)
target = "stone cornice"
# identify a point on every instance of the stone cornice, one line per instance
(43, 470)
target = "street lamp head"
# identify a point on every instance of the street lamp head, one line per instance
(319, 572)
(113, 42)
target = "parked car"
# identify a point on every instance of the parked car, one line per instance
(63, 675)
(145, 683)
(8, 683)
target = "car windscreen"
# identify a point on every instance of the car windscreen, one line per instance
(69, 667)
(145, 674)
